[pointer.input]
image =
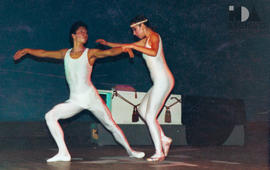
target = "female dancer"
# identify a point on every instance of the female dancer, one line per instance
(163, 81)
(78, 62)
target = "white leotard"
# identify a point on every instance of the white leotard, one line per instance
(158, 68)
(78, 72)
(153, 101)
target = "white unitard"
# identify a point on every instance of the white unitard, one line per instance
(83, 95)
(153, 101)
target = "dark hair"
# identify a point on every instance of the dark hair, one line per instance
(75, 26)
(140, 18)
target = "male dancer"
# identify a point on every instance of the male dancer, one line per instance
(78, 62)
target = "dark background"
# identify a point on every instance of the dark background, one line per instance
(209, 54)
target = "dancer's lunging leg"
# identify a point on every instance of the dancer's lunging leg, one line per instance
(102, 112)
(149, 110)
(60, 111)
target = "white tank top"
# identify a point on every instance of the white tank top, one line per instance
(78, 73)
(157, 65)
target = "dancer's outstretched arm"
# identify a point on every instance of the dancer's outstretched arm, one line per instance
(111, 44)
(139, 45)
(60, 54)
(94, 54)
(106, 53)
(151, 51)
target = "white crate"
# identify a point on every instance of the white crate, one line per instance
(122, 111)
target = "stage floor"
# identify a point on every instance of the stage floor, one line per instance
(254, 155)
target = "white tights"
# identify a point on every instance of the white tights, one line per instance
(69, 109)
(149, 109)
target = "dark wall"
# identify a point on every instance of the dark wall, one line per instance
(209, 54)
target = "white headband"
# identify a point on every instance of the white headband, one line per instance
(137, 23)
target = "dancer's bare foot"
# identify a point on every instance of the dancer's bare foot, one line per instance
(166, 143)
(136, 154)
(156, 157)
(60, 157)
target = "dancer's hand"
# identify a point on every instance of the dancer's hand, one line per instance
(130, 52)
(19, 54)
(101, 41)
(128, 48)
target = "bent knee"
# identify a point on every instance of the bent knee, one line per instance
(150, 119)
(50, 117)
(47, 117)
